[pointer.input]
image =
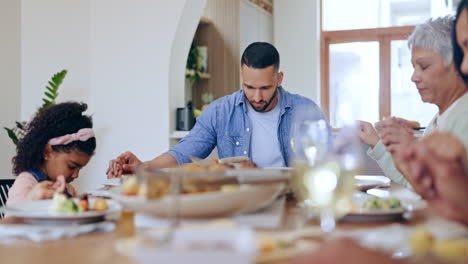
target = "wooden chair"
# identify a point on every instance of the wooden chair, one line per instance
(5, 185)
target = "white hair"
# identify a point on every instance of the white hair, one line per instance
(436, 35)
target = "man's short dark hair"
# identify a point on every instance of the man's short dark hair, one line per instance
(260, 55)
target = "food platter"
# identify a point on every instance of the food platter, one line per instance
(38, 212)
(247, 198)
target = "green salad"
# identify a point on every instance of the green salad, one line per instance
(380, 203)
(61, 204)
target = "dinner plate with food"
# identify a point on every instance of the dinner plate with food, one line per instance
(63, 210)
(369, 208)
(240, 167)
(199, 197)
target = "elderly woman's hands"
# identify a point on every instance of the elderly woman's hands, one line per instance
(395, 132)
(368, 134)
(437, 169)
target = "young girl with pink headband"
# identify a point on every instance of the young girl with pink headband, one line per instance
(59, 141)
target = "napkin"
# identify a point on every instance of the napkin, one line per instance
(442, 228)
(268, 218)
(392, 239)
(200, 244)
(47, 232)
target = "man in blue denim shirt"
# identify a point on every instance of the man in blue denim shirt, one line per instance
(253, 122)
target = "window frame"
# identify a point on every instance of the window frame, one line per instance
(384, 36)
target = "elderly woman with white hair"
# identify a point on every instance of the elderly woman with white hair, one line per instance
(438, 82)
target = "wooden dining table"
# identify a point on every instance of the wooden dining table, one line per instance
(100, 247)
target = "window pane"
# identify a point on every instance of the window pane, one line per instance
(358, 14)
(406, 102)
(354, 80)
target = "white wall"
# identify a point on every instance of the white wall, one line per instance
(178, 92)
(54, 36)
(119, 56)
(255, 25)
(9, 79)
(297, 37)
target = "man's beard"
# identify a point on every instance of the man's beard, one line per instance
(267, 104)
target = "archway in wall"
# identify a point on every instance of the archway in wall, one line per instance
(186, 28)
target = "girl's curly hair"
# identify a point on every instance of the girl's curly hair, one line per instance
(50, 122)
(457, 50)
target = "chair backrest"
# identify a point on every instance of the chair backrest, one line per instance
(5, 185)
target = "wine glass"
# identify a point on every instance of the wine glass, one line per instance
(324, 169)
(163, 185)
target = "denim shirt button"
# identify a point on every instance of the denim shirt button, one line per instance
(245, 152)
(248, 129)
(237, 143)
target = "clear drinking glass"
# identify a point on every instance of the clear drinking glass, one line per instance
(324, 169)
(161, 188)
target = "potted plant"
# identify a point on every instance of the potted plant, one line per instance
(51, 94)
(195, 64)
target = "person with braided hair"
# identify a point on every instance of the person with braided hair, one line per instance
(58, 142)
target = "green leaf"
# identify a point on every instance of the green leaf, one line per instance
(20, 125)
(50, 89)
(12, 135)
(51, 93)
(58, 77)
(51, 96)
(53, 85)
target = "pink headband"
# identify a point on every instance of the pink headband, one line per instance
(82, 135)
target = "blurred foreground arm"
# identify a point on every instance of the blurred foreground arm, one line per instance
(437, 169)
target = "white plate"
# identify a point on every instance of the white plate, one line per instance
(366, 182)
(409, 200)
(243, 175)
(112, 182)
(38, 212)
(278, 168)
(366, 215)
(247, 199)
(261, 174)
(371, 215)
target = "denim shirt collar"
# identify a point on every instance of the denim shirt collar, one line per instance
(284, 100)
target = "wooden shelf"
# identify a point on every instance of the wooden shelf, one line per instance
(203, 75)
(220, 39)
